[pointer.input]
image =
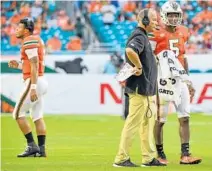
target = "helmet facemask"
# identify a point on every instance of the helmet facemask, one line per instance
(173, 19)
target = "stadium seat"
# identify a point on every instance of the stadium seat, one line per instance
(51, 6)
(198, 9)
(191, 14)
(194, 4)
(63, 46)
(9, 14)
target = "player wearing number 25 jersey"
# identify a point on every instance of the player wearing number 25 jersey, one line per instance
(173, 37)
(35, 86)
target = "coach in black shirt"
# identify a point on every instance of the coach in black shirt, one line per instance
(141, 89)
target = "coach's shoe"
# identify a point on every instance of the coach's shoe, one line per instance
(154, 162)
(188, 159)
(126, 163)
(162, 158)
(30, 151)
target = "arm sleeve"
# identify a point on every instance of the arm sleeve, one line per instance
(31, 52)
(137, 44)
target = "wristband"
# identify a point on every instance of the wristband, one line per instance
(33, 86)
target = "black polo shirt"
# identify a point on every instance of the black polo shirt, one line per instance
(146, 83)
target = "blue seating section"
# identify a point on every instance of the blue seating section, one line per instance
(115, 34)
(118, 32)
(64, 36)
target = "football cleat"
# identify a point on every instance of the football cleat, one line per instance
(188, 159)
(30, 151)
(42, 152)
(162, 158)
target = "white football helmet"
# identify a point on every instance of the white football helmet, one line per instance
(174, 8)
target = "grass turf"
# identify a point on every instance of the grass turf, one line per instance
(90, 143)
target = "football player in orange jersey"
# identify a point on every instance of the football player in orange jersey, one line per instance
(35, 86)
(173, 37)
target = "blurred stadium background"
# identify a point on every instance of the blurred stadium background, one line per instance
(97, 25)
(85, 43)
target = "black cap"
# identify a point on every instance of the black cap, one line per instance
(28, 23)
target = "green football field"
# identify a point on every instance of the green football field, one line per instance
(90, 143)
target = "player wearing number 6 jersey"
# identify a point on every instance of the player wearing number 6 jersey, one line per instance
(35, 86)
(173, 37)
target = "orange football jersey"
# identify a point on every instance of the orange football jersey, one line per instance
(165, 40)
(32, 42)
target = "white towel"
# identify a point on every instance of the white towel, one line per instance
(171, 74)
(126, 71)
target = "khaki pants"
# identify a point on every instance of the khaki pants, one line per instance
(142, 118)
